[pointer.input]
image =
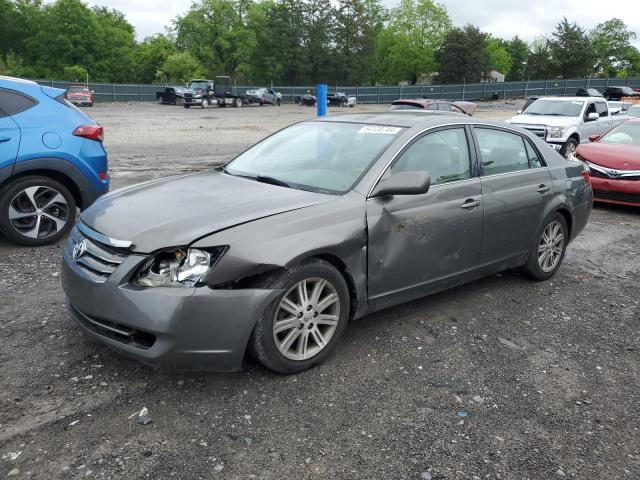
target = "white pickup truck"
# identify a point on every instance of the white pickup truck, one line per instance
(565, 122)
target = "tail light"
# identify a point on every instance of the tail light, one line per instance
(92, 132)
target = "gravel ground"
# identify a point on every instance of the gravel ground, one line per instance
(501, 378)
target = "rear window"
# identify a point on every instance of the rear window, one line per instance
(12, 102)
(60, 99)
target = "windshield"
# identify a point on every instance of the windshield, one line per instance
(627, 133)
(198, 85)
(78, 90)
(561, 108)
(634, 111)
(317, 156)
(627, 90)
(405, 106)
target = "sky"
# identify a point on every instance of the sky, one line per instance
(502, 18)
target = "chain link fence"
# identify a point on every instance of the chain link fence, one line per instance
(115, 92)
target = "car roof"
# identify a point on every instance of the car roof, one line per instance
(406, 118)
(570, 99)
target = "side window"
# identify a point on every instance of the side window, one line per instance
(444, 154)
(601, 108)
(590, 109)
(432, 106)
(457, 109)
(444, 106)
(502, 152)
(13, 102)
(532, 155)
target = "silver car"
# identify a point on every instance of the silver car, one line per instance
(324, 221)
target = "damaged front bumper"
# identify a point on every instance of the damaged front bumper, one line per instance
(177, 328)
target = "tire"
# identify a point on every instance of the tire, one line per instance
(53, 215)
(267, 346)
(205, 103)
(536, 268)
(186, 106)
(160, 100)
(278, 102)
(237, 103)
(569, 147)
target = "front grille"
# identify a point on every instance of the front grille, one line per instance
(188, 96)
(115, 331)
(595, 173)
(98, 261)
(537, 131)
(619, 196)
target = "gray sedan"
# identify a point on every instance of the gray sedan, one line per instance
(322, 222)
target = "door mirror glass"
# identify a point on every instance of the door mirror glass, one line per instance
(403, 183)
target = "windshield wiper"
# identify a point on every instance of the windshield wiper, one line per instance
(272, 181)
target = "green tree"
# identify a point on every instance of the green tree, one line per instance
(213, 31)
(12, 65)
(571, 50)
(540, 65)
(406, 47)
(499, 58)
(179, 68)
(150, 54)
(74, 73)
(614, 53)
(463, 56)
(519, 51)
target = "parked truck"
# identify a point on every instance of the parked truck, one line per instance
(200, 93)
(565, 122)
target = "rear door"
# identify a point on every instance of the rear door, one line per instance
(9, 131)
(417, 240)
(516, 188)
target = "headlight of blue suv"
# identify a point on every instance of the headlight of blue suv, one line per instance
(178, 268)
(555, 132)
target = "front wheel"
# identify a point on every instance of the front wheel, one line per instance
(549, 248)
(569, 147)
(36, 210)
(186, 106)
(237, 102)
(302, 326)
(205, 103)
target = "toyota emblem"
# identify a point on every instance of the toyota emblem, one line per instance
(79, 249)
(614, 173)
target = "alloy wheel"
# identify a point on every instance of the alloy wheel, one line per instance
(550, 247)
(38, 212)
(306, 318)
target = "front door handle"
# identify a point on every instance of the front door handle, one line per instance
(471, 203)
(543, 188)
(4, 139)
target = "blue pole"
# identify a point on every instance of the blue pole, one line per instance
(322, 100)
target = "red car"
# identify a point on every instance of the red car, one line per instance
(464, 108)
(614, 164)
(80, 95)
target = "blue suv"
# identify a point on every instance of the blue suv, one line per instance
(51, 162)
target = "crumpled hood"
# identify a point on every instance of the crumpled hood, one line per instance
(548, 120)
(620, 157)
(177, 211)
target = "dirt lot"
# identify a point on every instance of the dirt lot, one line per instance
(502, 378)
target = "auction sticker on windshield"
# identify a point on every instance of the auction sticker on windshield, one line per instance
(379, 129)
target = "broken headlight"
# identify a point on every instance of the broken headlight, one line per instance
(177, 268)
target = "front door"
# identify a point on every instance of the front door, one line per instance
(417, 240)
(516, 188)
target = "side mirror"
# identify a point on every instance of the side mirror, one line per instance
(594, 138)
(592, 116)
(403, 183)
(519, 112)
(93, 91)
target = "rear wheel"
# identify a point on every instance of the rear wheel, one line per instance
(36, 210)
(160, 99)
(186, 106)
(205, 103)
(549, 248)
(302, 326)
(237, 102)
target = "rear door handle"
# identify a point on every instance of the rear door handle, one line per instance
(469, 204)
(543, 189)
(4, 139)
